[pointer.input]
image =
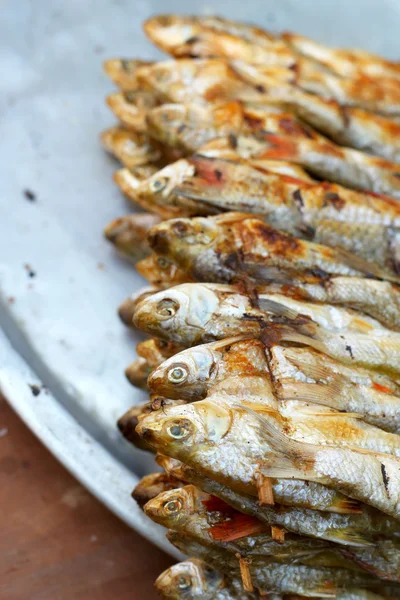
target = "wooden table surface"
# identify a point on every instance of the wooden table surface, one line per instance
(57, 542)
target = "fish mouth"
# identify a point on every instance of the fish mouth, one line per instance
(159, 241)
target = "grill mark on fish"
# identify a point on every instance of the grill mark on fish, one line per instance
(350, 351)
(385, 479)
(335, 200)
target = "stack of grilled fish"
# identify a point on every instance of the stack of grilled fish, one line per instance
(271, 243)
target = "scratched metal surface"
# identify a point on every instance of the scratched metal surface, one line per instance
(60, 283)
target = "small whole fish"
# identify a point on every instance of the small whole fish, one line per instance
(128, 234)
(287, 579)
(196, 80)
(215, 439)
(237, 245)
(325, 213)
(131, 108)
(152, 485)
(191, 126)
(132, 149)
(191, 314)
(195, 580)
(210, 521)
(360, 530)
(123, 72)
(244, 367)
(200, 38)
(323, 158)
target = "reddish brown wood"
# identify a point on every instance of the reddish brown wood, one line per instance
(57, 542)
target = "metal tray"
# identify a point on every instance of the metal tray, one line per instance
(60, 282)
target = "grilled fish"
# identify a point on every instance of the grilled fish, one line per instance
(128, 234)
(190, 314)
(323, 212)
(310, 582)
(323, 158)
(298, 373)
(132, 149)
(211, 522)
(212, 438)
(235, 245)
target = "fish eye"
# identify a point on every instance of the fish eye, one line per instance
(177, 374)
(183, 583)
(180, 430)
(173, 506)
(157, 185)
(163, 263)
(167, 307)
(180, 228)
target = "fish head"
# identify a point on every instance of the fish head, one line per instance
(169, 32)
(187, 375)
(184, 240)
(189, 580)
(160, 271)
(173, 508)
(179, 430)
(157, 189)
(165, 121)
(178, 314)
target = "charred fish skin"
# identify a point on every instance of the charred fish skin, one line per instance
(225, 247)
(321, 212)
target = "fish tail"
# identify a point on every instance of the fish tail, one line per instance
(346, 506)
(349, 536)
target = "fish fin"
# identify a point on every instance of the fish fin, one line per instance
(349, 536)
(313, 411)
(317, 371)
(236, 527)
(291, 459)
(310, 392)
(369, 268)
(302, 323)
(276, 334)
(229, 341)
(347, 506)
